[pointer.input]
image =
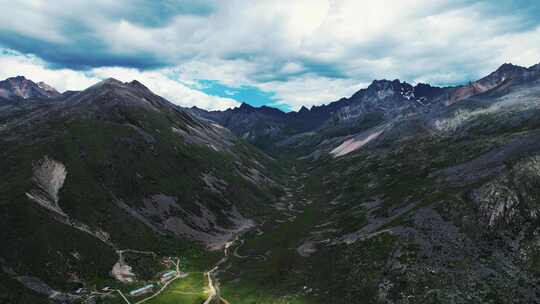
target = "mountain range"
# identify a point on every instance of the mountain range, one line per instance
(382, 100)
(399, 193)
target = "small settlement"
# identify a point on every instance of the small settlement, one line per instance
(167, 276)
(142, 290)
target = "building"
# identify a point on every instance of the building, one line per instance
(167, 276)
(142, 290)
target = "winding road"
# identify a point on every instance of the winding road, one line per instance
(214, 294)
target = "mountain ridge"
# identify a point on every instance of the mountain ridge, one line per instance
(506, 70)
(421, 87)
(398, 192)
(382, 99)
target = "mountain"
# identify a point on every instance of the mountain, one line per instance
(22, 88)
(432, 204)
(397, 194)
(381, 102)
(505, 75)
(112, 168)
(383, 99)
(262, 125)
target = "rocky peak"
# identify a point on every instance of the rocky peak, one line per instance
(246, 110)
(112, 93)
(427, 91)
(505, 67)
(384, 84)
(244, 107)
(504, 72)
(303, 109)
(47, 88)
(18, 78)
(21, 87)
(137, 84)
(382, 89)
(111, 82)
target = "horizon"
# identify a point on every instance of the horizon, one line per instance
(216, 55)
(271, 105)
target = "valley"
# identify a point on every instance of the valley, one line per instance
(398, 194)
(248, 256)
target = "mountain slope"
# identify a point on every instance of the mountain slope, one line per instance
(117, 167)
(261, 125)
(383, 101)
(442, 207)
(398, 194)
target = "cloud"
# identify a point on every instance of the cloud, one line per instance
(309, 90)
(279, 47)
(172, 90)
(13, 63)
(292, 68)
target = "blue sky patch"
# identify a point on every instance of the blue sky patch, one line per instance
(248, 94)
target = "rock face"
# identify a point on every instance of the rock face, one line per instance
(511, 200)
(121, 271)
(387, 99)
(49, 176)
(505, 75)
(20, 87)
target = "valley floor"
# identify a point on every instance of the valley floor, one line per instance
(259, 265)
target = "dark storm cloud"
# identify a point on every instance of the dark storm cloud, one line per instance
(288, 49)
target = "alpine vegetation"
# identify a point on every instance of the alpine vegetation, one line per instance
(270, 152)
(394, 193)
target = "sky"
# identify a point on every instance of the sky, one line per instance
(217, 54)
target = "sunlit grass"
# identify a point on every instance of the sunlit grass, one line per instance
(191, 289)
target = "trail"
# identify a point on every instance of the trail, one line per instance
(122, 295)
(238, 255)
(214, 293)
